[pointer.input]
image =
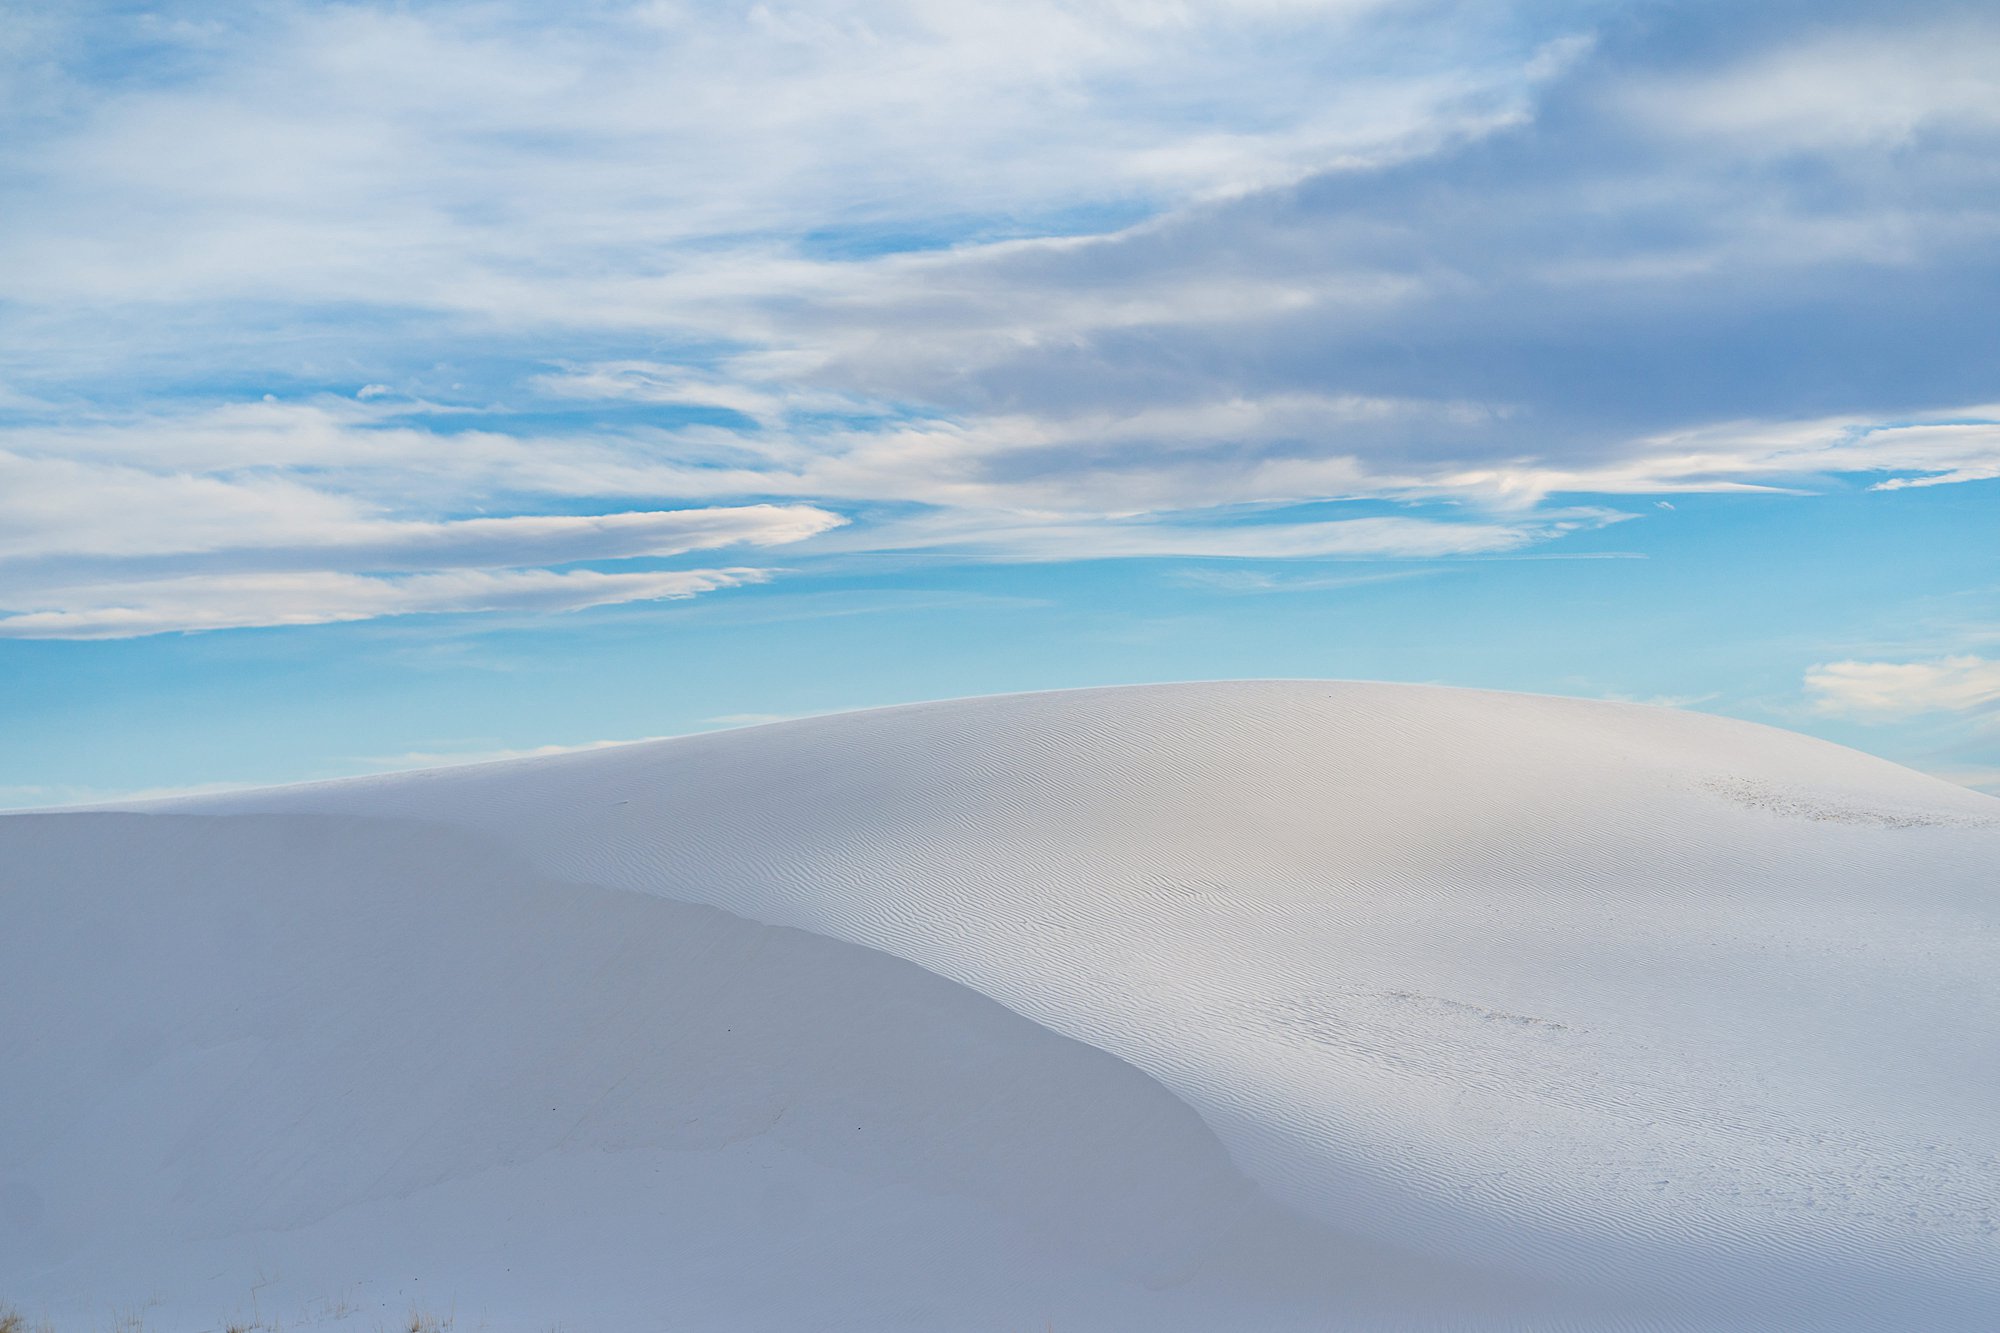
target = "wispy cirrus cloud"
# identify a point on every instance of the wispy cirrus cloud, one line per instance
(495, 157)
(366, 543)
(68, 509)
(453, 758)
(1291, 279)
(1921, 79)
(1933, 449)
(89, 506)
(1883, 690)
(312, 513)
(1280, 581)
(1011, 537)
(235, 601)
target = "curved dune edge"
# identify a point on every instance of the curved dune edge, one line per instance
(1644, 1018)
(362, 1065)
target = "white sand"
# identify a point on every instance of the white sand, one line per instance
(1332, 1006)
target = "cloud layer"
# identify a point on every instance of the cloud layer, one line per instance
(318, 313)
(234, 601)
(1961, 684)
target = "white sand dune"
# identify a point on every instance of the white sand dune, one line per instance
(1277, 1005)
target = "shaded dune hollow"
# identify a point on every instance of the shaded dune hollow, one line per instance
(1265, 1005)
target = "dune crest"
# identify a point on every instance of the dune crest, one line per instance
(1390, 1006)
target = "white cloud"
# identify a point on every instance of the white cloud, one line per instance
(270, 487)
(54, 504)
(235, 601)
(456, 758)
(1901, 689)
(1953, 445)
(60, 507)
(86, 502)
(536, 539)
(119, 531)
(1270, 581)
(1055, 280)
(277, 513)
(683, 386)
(1839, 89)
(1659, 700)
(1979, 777)
(1011, 538)
(482, 158)
(1292, 446)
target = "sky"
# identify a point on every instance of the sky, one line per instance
(386, 385)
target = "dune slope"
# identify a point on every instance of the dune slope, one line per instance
(1257, 1005)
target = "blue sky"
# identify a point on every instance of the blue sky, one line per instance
(395, 384)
